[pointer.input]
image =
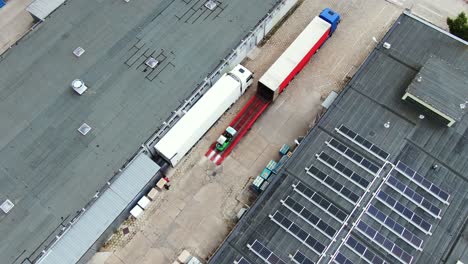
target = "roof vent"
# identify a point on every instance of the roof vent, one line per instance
(421, 117)
(6, 206)
(79, 86)
(419, 79)
(152, 62)
(463, 106)
(387, 45)
(78, 51)
(387, 124)
(84, 129)
(211, 5)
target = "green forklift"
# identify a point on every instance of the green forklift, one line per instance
(225, 139)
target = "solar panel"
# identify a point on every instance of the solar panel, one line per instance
(343, 170)
(241, 261)
(353, 156)
(321, 202)
(395, 227)
(335, 186)
(363, 251)
(386, 244)
(309, 241)
(341, 259)
(300, 258)
(264, 253)
(405, 212)
(309, 217)
(422, 182)
(413, 196)
(363, 143)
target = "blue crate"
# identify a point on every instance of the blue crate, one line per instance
(284, 149)
(265, 174)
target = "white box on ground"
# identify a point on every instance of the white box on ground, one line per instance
(184, 257)
(144, 202)
(194, 260)
(153, 194)
(137, 212)
(160, 183)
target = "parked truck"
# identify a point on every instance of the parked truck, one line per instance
(209, 108)
(278, 76)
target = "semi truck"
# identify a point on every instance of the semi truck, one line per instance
(204, 113)
(273, 82)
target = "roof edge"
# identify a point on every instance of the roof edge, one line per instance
(427, 23)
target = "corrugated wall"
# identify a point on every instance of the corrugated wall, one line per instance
(102, 214)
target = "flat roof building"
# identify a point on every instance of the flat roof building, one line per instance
(49, 169)
(379, 179)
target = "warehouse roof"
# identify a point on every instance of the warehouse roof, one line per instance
(374, 180)
(47, 168)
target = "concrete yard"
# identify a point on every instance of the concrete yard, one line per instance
(200, 209)
(15, 22)
(47, 168)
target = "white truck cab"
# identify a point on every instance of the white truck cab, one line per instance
(244, 76)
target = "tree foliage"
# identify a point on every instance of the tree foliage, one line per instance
(459, 26)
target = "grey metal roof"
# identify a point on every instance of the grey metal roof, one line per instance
(371, 106)
(43, 8)
(443, 87)
(47, 168)
(88, 228)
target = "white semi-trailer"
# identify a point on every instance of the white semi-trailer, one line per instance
(194, 124)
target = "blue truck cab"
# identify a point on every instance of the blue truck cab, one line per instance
(331, 17)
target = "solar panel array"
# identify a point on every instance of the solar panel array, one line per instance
(332, 184)
(398, 207)
(430, 187)
(366, 144)
(395, 227)
(309, 217)
(300, 258)
(342, 259)
(413, 196)
(300, 234)
(354, 156)
(384, 243)
(343, 170)
(267, 255)
(242, 261)
(363, 251)
(320, 201)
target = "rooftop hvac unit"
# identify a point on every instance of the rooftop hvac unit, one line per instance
(211, 5)
(78, 51)
(79, 86)
(6, 206)
(84, 129)
(152, 62)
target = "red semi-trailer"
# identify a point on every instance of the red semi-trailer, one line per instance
(279, 75)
